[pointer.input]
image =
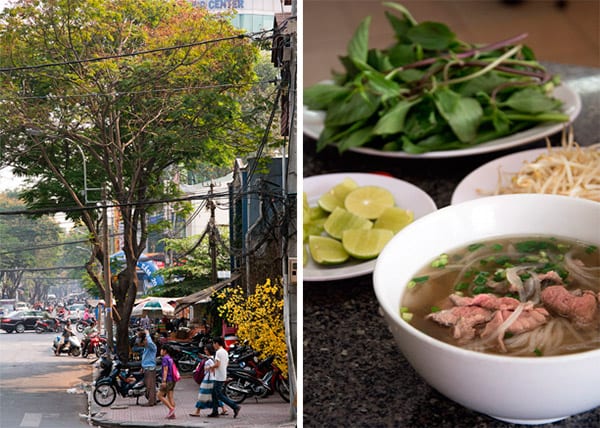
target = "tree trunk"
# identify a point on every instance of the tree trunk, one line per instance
(124, 292)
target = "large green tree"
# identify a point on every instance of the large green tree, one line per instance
(133, 87)
(25, 252)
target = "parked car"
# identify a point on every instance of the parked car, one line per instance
(22, 306)
(20, 321)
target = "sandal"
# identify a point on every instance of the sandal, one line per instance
(224, 412)
(196, 415)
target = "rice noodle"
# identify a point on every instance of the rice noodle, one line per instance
(568, 170)
(589, 276)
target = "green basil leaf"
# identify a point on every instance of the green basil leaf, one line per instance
(432, 35)
(357, 106)
(462, 113)
(392, 122)
(378, 84)
(400, 55)
(321, 95)
(358, 47)
(531, 100)
(356, 139)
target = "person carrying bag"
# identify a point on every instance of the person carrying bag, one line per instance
(206, 385)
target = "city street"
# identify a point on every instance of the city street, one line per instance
(38, 389)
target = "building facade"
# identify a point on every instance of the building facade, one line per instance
(250, 15)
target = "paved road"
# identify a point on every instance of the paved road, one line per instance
(38, 389)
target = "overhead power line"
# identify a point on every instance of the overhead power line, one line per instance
(136, 53)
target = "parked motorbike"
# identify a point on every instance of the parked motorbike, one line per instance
(47, 325)
(120, 379)
(71, 347)
(94, 344)
(249, 378)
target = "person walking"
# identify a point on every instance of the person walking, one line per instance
(165, 394)
(220, 371)
(206, 386)
(148, 365)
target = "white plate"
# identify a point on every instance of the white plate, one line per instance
(484, 180)
(313, 125)
(406, 195)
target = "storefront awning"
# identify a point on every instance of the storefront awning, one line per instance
(203, 294)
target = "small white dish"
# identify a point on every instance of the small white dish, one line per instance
(313, 125)
(484, 180)
(406, 195)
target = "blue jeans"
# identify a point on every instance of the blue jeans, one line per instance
(218, 395)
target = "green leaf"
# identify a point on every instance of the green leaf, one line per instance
(321, 95)
(484, 83)
(358, 47)
(432, 35)
(356, 139)
(462, 113)
(378, 84)
(403, 10)
(531, 100)
(400, 26)
(392, 122)
(359, 105)
(400, 55)
(378, 60)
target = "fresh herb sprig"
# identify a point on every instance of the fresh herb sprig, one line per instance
(430, 91)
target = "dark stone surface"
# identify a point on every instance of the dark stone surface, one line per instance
(353, 373)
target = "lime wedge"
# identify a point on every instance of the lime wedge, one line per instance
(341, 190)
(316, 213)
(305, 208)
(340, 220)
(336, 195)
(327, 251)
(366, 244)
(394, 219)
(315, 227)
(368, 201)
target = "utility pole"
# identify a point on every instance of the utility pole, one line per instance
(212, 235)
(106, 263)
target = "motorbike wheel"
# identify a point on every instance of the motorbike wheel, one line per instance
(80, 327)
(186, 364)
(39, 330)
(76, 352)
(232, 394)
(283, 388)
(99, 350)
(105, 395)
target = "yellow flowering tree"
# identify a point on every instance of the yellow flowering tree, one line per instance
(259, 318)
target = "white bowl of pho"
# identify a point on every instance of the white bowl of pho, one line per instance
(496, 304)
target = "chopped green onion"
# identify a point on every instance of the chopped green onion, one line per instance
(461, 286)
(538, 352)
(591, 249)
(474, 247)
(497, 247)
(407, 316)
(435, 309)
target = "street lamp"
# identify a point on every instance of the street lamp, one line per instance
(106, 258)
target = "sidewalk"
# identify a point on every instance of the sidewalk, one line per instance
(270, 412)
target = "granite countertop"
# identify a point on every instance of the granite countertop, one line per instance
(353, 373)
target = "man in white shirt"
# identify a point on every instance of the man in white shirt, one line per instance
(220, 371)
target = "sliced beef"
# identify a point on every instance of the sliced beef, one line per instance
(529, 319)
(488, 301)
(462, 319)
(581, 307)
(550, 278)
